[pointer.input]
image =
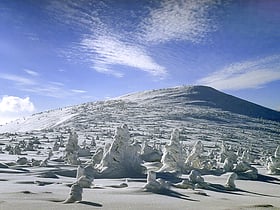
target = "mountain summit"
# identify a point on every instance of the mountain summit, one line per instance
(204, 96)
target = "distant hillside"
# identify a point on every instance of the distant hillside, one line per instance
(201, 113)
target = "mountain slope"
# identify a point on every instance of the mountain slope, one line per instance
(201, 113)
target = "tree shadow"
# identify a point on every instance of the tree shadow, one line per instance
(260, 194)
(268, 179)
(222, 189)
(89, 203)
(171, 193)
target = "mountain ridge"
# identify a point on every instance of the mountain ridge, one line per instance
(208, 96)
(177, 104)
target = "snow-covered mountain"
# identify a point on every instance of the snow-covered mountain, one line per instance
(204, 96)
(200, 112)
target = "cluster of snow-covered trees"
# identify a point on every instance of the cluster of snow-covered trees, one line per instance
(123, 157)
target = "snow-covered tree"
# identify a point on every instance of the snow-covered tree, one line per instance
(72, 148)
(172, 159)
(122, 159)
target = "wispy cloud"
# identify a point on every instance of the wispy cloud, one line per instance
(40, 86)
(52, 89)
(76, 13)
(32, 36)
(78, 91)
(56, 83)
(17, 79)
(111, 51)
(104, 44)
(31, 72)
(247, 74)
(179, 20)
(47, 89)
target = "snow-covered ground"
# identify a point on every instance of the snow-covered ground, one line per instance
(29, 191)
(200, 113)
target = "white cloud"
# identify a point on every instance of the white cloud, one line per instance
(31, 72)
(179, 20)
(111, 51)
(16, 104)
(13, 107)
(78, 91)
(248, 74)
(18, 79)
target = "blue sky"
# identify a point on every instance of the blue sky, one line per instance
(56, 53)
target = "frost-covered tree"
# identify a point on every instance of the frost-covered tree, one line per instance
(72, 148)
(155, 185)
(273, 164)
(194, 159)
(228, 165)
(277, 152)
(56, 146)
(149, 153)
(122, 158)
(172, 159)
(228, 154)
(245, 170)
(72, 144)
(97, 156)
(230, 181)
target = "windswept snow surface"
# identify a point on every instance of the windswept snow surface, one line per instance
(40, 121)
